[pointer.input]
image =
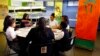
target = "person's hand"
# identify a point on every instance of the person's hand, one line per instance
(15, 40)
(54, 30)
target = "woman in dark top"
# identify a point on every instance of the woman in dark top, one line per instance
(66, 39)
(25, 20)
(40, 35)
(64, 24)
(65, 19)
(6, 22)
(61, 45)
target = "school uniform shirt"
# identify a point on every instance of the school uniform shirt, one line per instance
(68, 27)
(53, 23)
(10, 33)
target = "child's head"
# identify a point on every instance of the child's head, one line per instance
(41, 22)
(52, 16)
(12, 23)
(25, 16)
(65, 19)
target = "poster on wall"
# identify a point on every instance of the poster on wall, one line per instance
(58, 10)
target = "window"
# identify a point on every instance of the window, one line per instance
(72, 3)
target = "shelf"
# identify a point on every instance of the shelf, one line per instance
(24, 9)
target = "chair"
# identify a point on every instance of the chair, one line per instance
(41, 50)
(69, 42)
(9, 48)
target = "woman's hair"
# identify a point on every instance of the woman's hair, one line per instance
(41, 23)
(6, 22)
(41, 26)
(25, 15)
(65, 19)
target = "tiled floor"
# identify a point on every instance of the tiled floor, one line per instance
(73, 52)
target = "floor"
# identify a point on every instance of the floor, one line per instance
(73, 52)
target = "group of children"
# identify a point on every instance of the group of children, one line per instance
(40, 33)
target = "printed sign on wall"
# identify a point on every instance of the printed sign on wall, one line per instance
(58, 10)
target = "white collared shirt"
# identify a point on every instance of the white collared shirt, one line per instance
(10, 33)
(53, 23)
(68, 27)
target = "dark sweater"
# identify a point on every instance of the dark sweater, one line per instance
(37, 36)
